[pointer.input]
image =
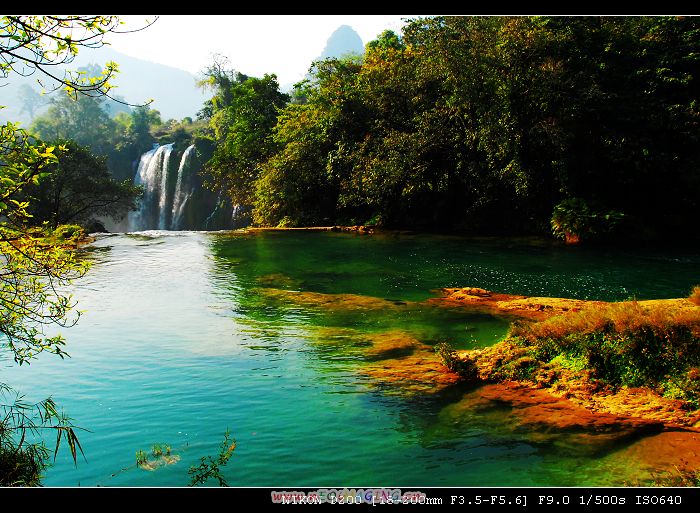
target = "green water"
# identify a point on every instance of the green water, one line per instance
(179, 342)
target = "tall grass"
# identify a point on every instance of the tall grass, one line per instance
(624, 317)
(695, 295)
(622, 344)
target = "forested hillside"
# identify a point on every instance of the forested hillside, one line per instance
(478, 124)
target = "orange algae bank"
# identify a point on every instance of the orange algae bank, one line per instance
(572, 408)
(557, 357)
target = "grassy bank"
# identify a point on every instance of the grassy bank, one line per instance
(635, 358)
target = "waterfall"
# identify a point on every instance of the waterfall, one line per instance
(180, 197)
(152, 174)
(163, 196)
(173, 197)
(208, 222)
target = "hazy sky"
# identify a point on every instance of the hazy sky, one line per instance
(255, 45)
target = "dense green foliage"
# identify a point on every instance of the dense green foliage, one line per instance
(573, 219)
(79, 188)
(120, 139)
(615, 344)
(241, 116)
(38, 263)
(35, 261)
(484, 124)
(82, 120)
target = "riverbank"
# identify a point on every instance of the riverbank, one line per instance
(595, 374)
(591, 376)
(634, 358)
(335, 228)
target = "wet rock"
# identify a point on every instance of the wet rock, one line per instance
(330, 301)
(420, 372)
(669, 452)
(372, 346)
(278, 280)
(95, 226)
(536, 308)
(392, 344)
(541, 418)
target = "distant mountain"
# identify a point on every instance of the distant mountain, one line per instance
(173, 90)
(343, 41)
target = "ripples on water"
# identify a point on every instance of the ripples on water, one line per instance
(177, 344)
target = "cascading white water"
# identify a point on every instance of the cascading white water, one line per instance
(173, 199)
(163, 197)
(180, 197)
(152, 175)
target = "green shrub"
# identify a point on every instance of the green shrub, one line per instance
(465, 367)
(21, 467)
(210, 467)
(375, 220)
(22, 461)
(71, 232)
(621, 344)
(574, 220)
(286, 222)
(519, 369)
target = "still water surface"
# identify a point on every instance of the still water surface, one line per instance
(177, 343)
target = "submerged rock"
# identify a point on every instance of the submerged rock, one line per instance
(670, 453)
(392, 344)
(392, 360)
(536, 308)
(277, 280)
(541, 418)
(420, 372)
(330, 301)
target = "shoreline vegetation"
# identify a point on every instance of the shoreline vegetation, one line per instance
(623, 372)
(632, 358)
(607, 376)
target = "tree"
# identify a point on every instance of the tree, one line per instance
(37, 263)
(133, 138)
(299, 184)
(31, 100)
(77, 189)
(43, 44)
(82, 119)
(486, 124)
(241, 115)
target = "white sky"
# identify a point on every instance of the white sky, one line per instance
(255, 45)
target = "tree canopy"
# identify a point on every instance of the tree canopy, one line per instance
(37, 262)
(77, 189)
(241, 116)
(483, 125)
